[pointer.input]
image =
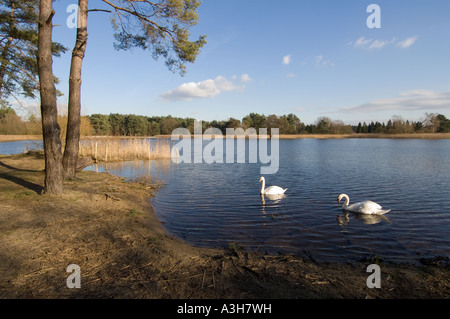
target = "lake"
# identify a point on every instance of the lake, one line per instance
(213, 205)
(19, 147)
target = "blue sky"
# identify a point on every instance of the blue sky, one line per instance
(311, 58)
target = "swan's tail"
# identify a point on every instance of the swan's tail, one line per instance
(383, 211)
(284, 191)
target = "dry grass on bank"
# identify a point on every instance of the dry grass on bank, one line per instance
(113, 149)
(12, 138)
(108, 227)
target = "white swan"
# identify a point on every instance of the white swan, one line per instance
(366, 207)
(271, 190)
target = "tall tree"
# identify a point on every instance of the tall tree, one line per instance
(254, 120)
(100, 124)
(444, 124)
(323, 125)
(71, 148)
(50, 127)
(432, 122)
(160, 26)
(18, 48)
(117, 122)
(359, 128)
(295, 125)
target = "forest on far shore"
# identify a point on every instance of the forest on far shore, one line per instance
(139, 125)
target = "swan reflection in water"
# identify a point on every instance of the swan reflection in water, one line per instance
(274, 198)
(367, 219)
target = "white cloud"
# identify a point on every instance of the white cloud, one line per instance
(319, 59)
(245, 78)
(378, 44)
(362, 42)
(287, 59)
(410, 100)
(322, 62)
(407, 43)
(371, 44)
(205, 89)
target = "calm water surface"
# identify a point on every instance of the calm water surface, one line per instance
(19, 147)
(212, 205)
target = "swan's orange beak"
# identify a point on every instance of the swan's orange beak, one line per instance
(339, 200)
(260, 179)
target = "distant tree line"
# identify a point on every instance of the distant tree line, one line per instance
(130, 125)
(12, 124)
(433, 123)
(138, 125)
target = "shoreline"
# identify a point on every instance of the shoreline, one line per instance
(428, 136)
(108, 227)
(434, 136)
(370, 135)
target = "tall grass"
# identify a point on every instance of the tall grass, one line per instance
(110, 149)
(12, 138)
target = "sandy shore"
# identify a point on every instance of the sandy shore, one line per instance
(108, 228)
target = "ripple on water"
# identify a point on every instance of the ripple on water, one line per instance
(213, 205)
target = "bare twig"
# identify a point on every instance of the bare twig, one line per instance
(203, 279)
(99, 10)
(40, 231)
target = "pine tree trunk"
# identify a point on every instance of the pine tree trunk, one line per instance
(50, 128)
(73, 121)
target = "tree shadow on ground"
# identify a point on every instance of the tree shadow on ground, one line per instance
(20, 181)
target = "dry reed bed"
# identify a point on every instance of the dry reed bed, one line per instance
(124, 149)
(12, 138)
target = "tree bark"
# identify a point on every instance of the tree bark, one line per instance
(50, 128)
(71, 149)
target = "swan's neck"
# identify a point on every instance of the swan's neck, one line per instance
(263, 185)
(347, 201)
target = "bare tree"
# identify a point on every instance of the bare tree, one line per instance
(431, 122)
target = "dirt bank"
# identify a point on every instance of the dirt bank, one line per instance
(108, 228)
